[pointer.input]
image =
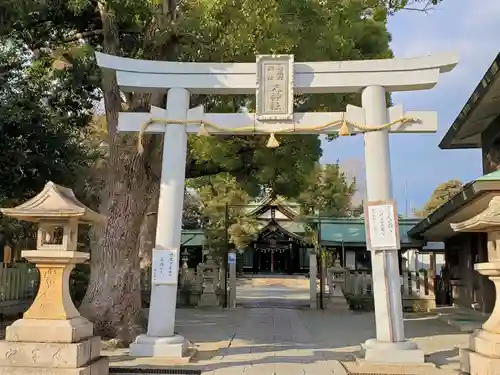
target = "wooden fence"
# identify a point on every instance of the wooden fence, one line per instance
(417, 288)
(18, 286)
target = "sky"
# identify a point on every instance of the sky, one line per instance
(418, 164)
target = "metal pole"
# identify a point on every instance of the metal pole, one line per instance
(226, 263)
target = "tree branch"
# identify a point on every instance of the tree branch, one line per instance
(82, 35)
(195, 168)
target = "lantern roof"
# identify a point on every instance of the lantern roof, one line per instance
(54, 202)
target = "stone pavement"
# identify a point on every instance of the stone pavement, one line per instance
(283, 341)
(275, 333)
(264, 291)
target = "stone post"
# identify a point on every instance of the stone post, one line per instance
(52, 337)
(185, 267)
(390, 344)
(313, 270)
(337, 276)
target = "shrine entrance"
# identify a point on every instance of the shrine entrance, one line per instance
(278, 251)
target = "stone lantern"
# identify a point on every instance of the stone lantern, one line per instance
(483, 355)
(52, 337)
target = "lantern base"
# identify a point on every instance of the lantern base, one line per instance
(47, 330)
(100, 366)
(483, 355)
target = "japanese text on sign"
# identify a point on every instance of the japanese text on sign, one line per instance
(275, 87)
(165, 267)
(382, 227)
(275, 96)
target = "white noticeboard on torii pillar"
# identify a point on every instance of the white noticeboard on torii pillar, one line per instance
(382, 226)
(165, 268)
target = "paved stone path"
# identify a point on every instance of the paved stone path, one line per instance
(286, 291)
(273, 341)
(283, 338)
(282, 341)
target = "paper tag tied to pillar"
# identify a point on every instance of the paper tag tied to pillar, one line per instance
(381, 225)
(165, 267)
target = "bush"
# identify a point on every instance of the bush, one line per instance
(78, 283)
(360, 303)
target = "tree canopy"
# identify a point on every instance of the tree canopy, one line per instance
(64, 34)
(44, 115)
(441, 194)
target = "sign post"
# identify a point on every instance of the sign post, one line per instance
(231, 260)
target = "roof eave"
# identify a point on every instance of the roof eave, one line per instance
(470, 192)
(470, 106)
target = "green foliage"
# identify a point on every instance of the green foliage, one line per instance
(191, 213)
(43, 122)
(442, 194)
(217, 193)
(327, 193)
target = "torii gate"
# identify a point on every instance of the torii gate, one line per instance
(275, 79)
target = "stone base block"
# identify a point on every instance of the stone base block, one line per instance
(485, 342)
(53, 355)
(474, 363)
(53, 331)
(393, 352)
(100, 366)
(361, 366)
(163, 347)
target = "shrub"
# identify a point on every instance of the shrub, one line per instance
(78, 283)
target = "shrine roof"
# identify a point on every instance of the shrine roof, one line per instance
(473, 199)
(351, 232)
(53, 202)
(289, 209)
(482, 108)
(275, 226)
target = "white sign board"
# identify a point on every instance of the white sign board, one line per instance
(165, 268)
(274, 87)
(381, 224)
(231, 258)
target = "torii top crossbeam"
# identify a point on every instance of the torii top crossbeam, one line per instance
(399, 74)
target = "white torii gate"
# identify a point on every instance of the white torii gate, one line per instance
(274, 79)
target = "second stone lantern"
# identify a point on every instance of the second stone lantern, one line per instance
(52, 337)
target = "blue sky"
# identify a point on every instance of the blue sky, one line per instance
(466, 26)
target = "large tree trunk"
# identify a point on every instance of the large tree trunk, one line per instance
(147, 235)
(113, 298)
